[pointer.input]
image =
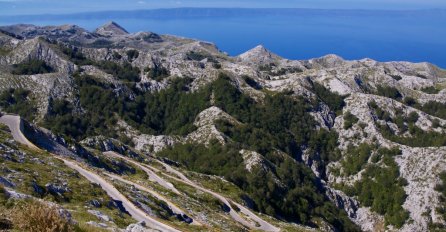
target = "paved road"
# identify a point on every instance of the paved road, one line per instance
(152, 176)
(175, 209)
(14, 123)
(262, 224)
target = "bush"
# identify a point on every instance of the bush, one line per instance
(434, 108)
(334, 101)
(124, 72)
(75, 55)
(31, 67)
(441, 188)
(157, 73)
(251, 82)
(36, 216)
(199, 56)
(18, 101)
(356, 159)
(381, 188)
(430, 90)
(390, 92)
(349, 120)
(132, 54)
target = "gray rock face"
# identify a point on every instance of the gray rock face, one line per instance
(100, 216)
(6, 183)
(344, 202)
(111, 29)
(139, 227)
(57, 189)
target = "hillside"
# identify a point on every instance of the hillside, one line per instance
(192, 139)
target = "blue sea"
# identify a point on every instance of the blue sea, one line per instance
(414, 36)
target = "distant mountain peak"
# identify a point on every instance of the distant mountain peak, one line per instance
(259, 54)
(110, 29)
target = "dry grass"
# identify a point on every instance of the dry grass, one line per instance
(36, 216)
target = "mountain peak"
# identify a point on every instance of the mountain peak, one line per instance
(110, 29)
(259, 54)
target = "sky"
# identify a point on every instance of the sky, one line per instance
(20, 7)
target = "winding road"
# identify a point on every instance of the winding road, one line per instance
(152, 176)
(261, 224)
(15, 124)
(175, 209)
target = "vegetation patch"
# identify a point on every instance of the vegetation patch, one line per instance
(356, 158)
(124, 72)
(349, 120)
(430, 90)
(31, 67)
(334, 101)
(157, 73)
(389, 92)
(18, 101)
(416, 138)
(251, 82)
(132, 54)
(75, 55)
(281, 122)
(381, 188)
(302, 200)
(170, 111)
(441, 209)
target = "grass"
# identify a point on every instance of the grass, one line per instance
(217, 185)
(42, 168)
(4, 51)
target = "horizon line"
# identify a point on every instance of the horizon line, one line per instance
(227, 8)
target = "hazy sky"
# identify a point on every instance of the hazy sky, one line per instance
(14, 7)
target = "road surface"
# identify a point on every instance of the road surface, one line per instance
(262, 224)
(152, 176)
(175, 209)
(15, 124)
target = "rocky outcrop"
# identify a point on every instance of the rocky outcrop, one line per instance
(111, 29)
(206, 129)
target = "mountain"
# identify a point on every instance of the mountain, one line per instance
(176, 133)
(111, 29)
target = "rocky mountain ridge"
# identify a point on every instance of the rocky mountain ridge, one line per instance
(364, 103)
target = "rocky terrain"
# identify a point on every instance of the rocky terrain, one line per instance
(199, 140)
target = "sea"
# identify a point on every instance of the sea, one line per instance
(415, 36)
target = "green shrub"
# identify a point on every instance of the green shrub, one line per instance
(18, 101)
(356, 159)
(198, 56)
(441, 188)
(157, 73)
(251, 82)
(349, 120)
(75, 55)
(334, 101)
(124, 72)
(31, 67)
(430, 90)
(390, 92)
(132, 54)
(381, 188)
(116, 55)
